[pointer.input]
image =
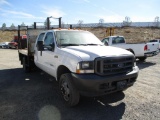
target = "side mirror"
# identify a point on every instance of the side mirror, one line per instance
(40, 46)
(53, 46)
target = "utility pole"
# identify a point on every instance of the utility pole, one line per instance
(60, 21)
(34, 25)
(48, 22)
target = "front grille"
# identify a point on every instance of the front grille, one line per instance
(114, 65)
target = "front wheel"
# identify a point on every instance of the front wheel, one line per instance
(68, 90)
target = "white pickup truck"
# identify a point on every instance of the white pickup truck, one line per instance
(80, 63)
(140, 50)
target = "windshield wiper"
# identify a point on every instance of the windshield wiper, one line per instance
(90, 44)
(69, 44)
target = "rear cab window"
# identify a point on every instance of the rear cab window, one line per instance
(40, 38)
(117, 40)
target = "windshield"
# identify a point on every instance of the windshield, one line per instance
(74, 38)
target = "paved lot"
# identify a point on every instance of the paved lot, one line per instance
(33, 97)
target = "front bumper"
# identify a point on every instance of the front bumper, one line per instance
(150, 54)
(95, 85)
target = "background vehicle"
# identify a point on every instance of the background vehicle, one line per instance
(156, 40)
(140, 50)
(4, 45)
(14, 42)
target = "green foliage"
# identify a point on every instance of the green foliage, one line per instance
(3, 26)
(22, 24)
(12, 26)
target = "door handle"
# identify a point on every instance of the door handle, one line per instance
(51, 65)
(41, 53)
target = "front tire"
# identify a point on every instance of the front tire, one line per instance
(68, 90)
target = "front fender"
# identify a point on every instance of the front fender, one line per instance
(68, 60)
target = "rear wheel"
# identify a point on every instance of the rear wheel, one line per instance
(25, 67)
(68, 90)
(142, 58)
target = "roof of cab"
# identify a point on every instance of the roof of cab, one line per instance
(65, 30)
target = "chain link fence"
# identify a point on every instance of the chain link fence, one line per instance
(93, 25)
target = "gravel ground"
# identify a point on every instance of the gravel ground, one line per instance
(33, 96)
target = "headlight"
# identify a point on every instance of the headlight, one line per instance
(85, 67)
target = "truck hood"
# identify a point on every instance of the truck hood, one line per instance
(91, 52)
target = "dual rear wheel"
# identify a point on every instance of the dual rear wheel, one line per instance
(26, 68)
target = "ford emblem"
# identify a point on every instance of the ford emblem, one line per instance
(121, 65)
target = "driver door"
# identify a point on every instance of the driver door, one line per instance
(48, 58)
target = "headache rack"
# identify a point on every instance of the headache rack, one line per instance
(114, 65)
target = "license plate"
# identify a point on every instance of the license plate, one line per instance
(121, 84)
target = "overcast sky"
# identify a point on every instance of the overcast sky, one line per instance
(71, 11)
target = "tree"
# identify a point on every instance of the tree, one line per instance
(3, 26)
(101, 21)
(156, 21)
(12, 26)
(22, 24)
(127, 22)
(80, 22)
